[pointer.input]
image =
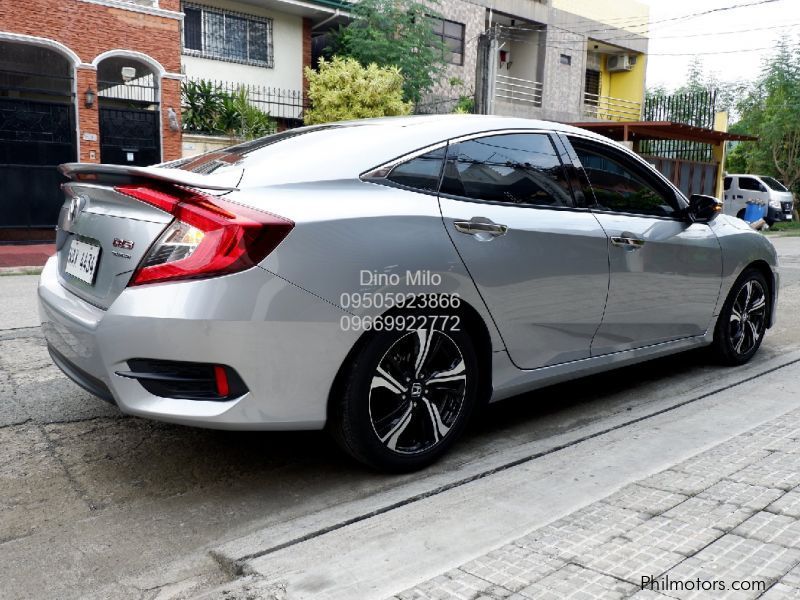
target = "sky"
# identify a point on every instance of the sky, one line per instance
(742, 33)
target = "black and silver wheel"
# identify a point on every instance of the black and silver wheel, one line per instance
(743, 320)
(406, 398)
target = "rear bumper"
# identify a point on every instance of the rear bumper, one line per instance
(285, 343)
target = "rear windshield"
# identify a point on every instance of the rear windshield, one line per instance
(218, 161)
(728, 182)
(774, 184)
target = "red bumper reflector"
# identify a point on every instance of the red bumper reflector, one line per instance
(222, 380)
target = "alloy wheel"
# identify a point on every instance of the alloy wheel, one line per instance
(417, 391)
(748, 317)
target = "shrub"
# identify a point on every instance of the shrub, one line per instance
(342, 89)
(208, 109)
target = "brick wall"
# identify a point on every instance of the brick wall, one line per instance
(89, 30)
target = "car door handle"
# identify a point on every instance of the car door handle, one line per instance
(473, 227)
(630, 243)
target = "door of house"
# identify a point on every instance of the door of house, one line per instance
(35, 137)
(129, 136)
(37, 133)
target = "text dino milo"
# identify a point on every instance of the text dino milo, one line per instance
(388, 310)
(667, 584)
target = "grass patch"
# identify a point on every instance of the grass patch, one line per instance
(785, 228)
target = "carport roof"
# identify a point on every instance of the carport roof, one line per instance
(660, 130)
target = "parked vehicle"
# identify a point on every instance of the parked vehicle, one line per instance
(384, 278)
(741, 189)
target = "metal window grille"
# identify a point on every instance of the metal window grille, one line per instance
(227, 35)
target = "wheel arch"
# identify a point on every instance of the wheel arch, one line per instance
(477, 330)
(763, 267)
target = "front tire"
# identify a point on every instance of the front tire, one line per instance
(743, 321)
(406, 398)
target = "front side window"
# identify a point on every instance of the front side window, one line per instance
(751, 185)
(620, 184)
(420, 173)
(226, 35)
(516, 168)
(451, 35)
(774, 184)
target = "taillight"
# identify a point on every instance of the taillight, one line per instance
(209, 236)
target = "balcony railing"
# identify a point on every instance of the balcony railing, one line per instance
(611, 109)
(514, 89)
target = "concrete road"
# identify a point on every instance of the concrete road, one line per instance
(97, 504)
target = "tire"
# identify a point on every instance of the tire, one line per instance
(740, 215)
(399, 413)
(743, 320)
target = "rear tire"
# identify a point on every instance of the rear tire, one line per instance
(406, 398)
(743, 320)
(740, 215)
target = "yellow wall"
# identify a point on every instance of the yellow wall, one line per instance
(629, 85)
(625, 14)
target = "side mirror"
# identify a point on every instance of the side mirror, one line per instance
(703, 209)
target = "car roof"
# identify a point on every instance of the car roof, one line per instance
(348, 148)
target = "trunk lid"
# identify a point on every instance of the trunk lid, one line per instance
(102, 234)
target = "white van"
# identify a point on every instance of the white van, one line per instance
(741, 188)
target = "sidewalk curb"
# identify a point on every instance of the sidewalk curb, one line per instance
(20, 271)
(233, 556)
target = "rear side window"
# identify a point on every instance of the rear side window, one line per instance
(518, 168)
(728, 181)
(420, 173)
(750, 184)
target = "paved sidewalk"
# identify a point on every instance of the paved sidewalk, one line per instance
(728, 516)
(25, 255)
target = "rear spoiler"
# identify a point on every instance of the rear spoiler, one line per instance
(117, 174)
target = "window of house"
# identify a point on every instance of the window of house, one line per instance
(421, 172)
(753, 185)
(451, 34)
(513, 168)
(621, 185)
(226, 35)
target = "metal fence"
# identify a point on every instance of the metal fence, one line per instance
(611, 109)
(287, 105)
(514, 89)
(692, 108)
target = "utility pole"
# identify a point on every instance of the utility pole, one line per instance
(486, 72)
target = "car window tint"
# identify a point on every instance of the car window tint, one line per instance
(728, 182)
(513, 168)
(622, 185)
(421, 172)
(750, 184)
(774, 184)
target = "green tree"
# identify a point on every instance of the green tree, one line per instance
(770, 109)
(342, 89)
(395, 33)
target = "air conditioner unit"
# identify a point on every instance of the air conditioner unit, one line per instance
(619, 62)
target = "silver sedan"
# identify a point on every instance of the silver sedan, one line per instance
(386, 278)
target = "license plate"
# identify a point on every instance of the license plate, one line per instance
(82, 260)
